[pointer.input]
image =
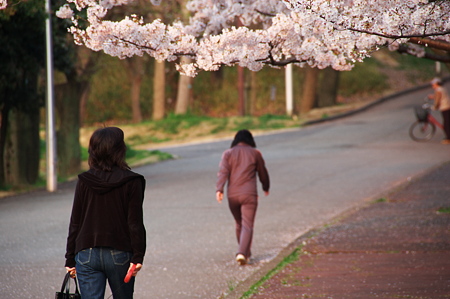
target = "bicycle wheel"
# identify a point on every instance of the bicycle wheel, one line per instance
(422, 131)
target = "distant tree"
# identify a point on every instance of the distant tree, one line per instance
(309, 89)
(22, 57)
(183, 91)
(78, 66)
(184, 82)
(159, 94)
(135, 67)
(328, 87)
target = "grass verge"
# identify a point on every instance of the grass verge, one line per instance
(286, 261)
(444, 210)
(187, 128)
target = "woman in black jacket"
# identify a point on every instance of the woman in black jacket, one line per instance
(106, 232)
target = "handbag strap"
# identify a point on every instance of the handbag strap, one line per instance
(76, 285)
(65, 281)
(66, 284)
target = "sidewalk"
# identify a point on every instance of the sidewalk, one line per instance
(396, 247)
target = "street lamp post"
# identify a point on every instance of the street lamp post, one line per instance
(50, 129)
(289, 91)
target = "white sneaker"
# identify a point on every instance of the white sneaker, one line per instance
(240, 258)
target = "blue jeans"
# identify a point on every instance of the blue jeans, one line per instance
(96, 265)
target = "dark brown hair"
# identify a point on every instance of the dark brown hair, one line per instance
(107, 149)
(244, 136)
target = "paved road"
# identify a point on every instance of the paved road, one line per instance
(317, 173)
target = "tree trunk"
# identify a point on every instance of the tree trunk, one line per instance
(67, 99)
(184, 91)
(135, 98)
(253, 92)
(309, 90)
(159, 90)
(241, 90)
(70, 103)
(328, 87)
(83, 102)
(87, 66)
(135, 70)
(23, 147)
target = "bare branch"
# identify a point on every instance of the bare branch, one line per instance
(265, 13)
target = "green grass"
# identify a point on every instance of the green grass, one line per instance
(286, 261)
(220, 125)
(186, 127)
(264, 122)
(144, 139)
(416, 68)
(444, 210)
(363, 78)
(173, 123)
(381, 200)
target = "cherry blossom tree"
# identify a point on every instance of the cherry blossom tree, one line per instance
(319, 33)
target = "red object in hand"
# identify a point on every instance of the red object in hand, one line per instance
(130, 273)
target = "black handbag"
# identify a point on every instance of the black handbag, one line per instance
(65, 289)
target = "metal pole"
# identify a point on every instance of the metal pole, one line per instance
(438, 68)
(50, 129)
(289, 91)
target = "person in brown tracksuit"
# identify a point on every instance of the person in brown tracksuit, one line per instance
(239, 166)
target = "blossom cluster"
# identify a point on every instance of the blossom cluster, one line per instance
(254, 33)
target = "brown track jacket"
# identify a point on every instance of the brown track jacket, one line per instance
(239, 166)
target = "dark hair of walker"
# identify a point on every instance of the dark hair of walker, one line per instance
(243, 136)
(107, 149)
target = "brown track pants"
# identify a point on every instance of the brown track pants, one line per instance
(243, 208)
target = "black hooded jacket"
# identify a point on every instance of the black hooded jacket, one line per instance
(107, 212)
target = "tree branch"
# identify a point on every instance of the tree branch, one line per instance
(265, 13)
(403, 49)
(395, 36)
(150, 48)
(436, 44)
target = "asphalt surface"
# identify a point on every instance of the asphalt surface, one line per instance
(317, 173)
(395, 247)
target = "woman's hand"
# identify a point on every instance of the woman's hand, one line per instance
(136, 270)
(219, 196)
(72, 271)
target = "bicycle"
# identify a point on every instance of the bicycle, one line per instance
(424, 128)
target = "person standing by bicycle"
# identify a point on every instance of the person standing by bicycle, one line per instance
(442, 103)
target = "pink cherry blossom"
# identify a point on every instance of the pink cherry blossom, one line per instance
(319, 33)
